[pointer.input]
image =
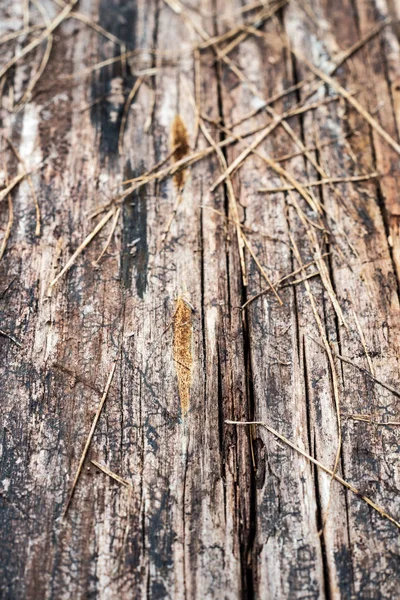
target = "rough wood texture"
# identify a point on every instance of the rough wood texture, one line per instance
(204, 509)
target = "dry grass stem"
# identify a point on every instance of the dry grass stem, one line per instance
(97, 66)
(372, 419)
(257, 21)
(90, 23)
(350, 362)
(37, 41)
(15, 181)
(364, 344)
(194, 157)
(32, 83)
(232, 202)
(327, 348)
(125, 112)
(7, 232)
(10, 337)
(282, 279)
(90, 436)
(110, 235)
(316, 462)
(252, 148)
(354, 179)
(85, 243)
(16, 34)
(352, 101)
(30, 183)
(111, 474)
(324, 271)
(261, 269)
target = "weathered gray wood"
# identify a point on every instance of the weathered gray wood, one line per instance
(200, 520)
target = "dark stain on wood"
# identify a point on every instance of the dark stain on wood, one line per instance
(135, 253)
(109, 85)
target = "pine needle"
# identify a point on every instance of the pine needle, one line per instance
(112, 230)
(85, 243)
(10, 337)
(351, 100)
(90, 436)
(37, 41)
(348, 361)
(7, 232)
(15, 181)
(316, 462)
(281, 280)
(364, 343)
(354, 179)
(111, 474)
(125, 112)
(30, 183)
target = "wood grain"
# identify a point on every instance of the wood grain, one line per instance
(186, 505)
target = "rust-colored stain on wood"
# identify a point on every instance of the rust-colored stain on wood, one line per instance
(183, 351)
(180, 148)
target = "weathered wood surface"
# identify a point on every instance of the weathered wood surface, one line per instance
(201, 518)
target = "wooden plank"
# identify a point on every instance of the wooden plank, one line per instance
(359, 282)
(286, 552)
(184, 505)
(330, 564)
